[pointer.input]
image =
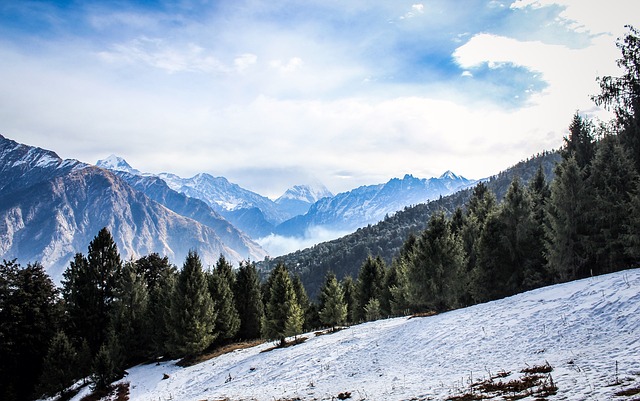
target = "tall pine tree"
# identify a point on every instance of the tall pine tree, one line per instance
(248, 299)
(193, 315)
(284, 317)
(221, 283)
(333, 309)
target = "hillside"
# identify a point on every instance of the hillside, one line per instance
(586, 330)
(345, 255)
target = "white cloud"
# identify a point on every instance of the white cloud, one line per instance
(245, 61)
(291, 65)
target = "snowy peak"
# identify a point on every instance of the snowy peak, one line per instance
(117, 163)
(306, 193)
(449, 175)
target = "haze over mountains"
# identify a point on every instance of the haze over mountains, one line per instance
(305, 214)
(51, 208)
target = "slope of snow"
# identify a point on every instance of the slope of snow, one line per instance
(583, 329)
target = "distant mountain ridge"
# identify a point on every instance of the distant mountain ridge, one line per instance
(370, 204)
(252, 213)
(51, 209)
(303, 209)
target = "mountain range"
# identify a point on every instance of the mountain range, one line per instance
(303, 208)
(51, 208)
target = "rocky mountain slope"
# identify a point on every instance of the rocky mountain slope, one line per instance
(51, 209)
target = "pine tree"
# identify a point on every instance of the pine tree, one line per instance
(104, 369)
(89, 289)
(433, 265)
(221, 282)
(622, 94)
(159, 314)
(248, 299)
(29, 319)
(370, 284)
(399, 289)
(565, 247)
(310, 313)
(153, 268)
(536, 273)
(193, 315)
(349, 290)
(333, 309)
(581, 143)
(493, 264)
(284, 316)
(612, 185)
(481, 204)
(60, 366)
(129, 316)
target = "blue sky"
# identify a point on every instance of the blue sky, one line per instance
(272, 94)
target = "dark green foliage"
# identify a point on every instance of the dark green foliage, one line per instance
(284, 315)
(433, 266)
(29, 318)
(89, 289)
(349, 290)
(159, 311)
(248, 301)
(566, 229)
(309, 310)
(611, 188)
(345, 256)
(129, 314)
(60, 366)
(104, 370)
(581, 143)
(221, 283)
(153, 268)
(333, 309)
(622, 94)
(536, 273)
(192, 314)
(370, 284)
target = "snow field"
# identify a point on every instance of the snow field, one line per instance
(582, 329)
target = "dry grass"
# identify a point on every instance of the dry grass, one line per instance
(535, 382)
(118, 392)
(225, 349)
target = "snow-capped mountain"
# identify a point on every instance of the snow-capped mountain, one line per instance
(299, 198)
(250, 212)
(116, 163)
(51, 209)
(371, 203)
(585, 333)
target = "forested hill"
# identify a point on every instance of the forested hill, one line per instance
(344, 256)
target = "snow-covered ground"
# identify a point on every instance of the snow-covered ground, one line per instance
(582, 329)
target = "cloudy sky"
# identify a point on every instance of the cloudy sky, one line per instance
(275, 93)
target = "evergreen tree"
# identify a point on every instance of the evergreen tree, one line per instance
(159, 313)
(153, 268)
(221, 283)
(129, 316)
(622, 94)
(309, 312)
(633, 229)
(536, 273)
(612, 186)
(566, 228)
(370, 284)
(103, 369)
(399, 288)
(284, 316)
(433, 265)
(481, 204)
(248, 299)
(89, 289)
(193, 315)
(333, 309)
(349, 290)
(60, 367)
(372, 310)
(581, 143)
(29, 319)
(493, 265)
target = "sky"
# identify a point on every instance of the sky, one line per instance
(270, 94)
